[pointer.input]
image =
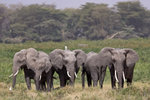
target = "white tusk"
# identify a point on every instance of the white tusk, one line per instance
(124, 77)
(11, 75)
(66, 48)
(10, 88)
(16, 73)
(40, 78)
(75, 74)
(116, 76)
(68, 74)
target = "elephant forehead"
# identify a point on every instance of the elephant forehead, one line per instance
(119, 55)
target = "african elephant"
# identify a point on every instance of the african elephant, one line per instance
(121, 63)
(95, 68)
(36, 61)
(124, 61)
(66, 63)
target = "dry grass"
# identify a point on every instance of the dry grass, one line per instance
(139, 91)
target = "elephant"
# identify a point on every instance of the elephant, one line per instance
(34, 64)
(121, 64)
(122, 69)
(95, 69)
(66, 63)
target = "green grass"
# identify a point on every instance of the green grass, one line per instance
(140, 90)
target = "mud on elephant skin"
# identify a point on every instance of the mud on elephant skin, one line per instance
(37, 61)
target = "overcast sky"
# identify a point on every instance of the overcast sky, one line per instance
(61, 4)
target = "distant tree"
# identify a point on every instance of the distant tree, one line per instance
(134, 14)
(97, 21)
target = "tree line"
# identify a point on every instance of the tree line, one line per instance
(19, 23)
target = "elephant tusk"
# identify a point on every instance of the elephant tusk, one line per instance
(124, 77)
(40, 78)
(11, 75)
(75, 74)
(16, 73)
(68, 74)
(10, 89)
(116, 76)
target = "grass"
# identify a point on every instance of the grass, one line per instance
(139, 91)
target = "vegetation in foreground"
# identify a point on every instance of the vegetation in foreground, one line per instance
(139, 91)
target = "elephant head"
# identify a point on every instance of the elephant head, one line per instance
(120, 58)
(80, 59)
(35, 60)
(66, 59)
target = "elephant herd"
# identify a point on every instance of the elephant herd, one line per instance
(40, 67)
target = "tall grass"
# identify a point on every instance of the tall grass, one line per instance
(141, 72)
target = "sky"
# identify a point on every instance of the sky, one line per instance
(61, 4)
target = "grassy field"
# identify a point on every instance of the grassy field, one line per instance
(141, 81)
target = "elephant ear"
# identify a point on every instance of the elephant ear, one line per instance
(31, 58)
(107, 51)
(44, 61)
(107, 55)
(80, 57)
(56, 57)
(131, 56)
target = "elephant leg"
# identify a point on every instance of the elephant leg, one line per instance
(129, 75)
(112, 74)
(62, 80)
(89, 80)
(28, 82)
(102, 76)
(94, 76)
(43, 86)
(83, 78)
(49, 80)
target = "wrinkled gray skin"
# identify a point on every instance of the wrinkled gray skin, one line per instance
(124, 61)
(66, 63)
(95, 68)
(119, 60)
(29, 74)
(37, 61)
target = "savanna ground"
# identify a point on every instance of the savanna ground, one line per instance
(140, 90)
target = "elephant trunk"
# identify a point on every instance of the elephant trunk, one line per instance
(15, 72)
(72, 79)
(120, 79)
